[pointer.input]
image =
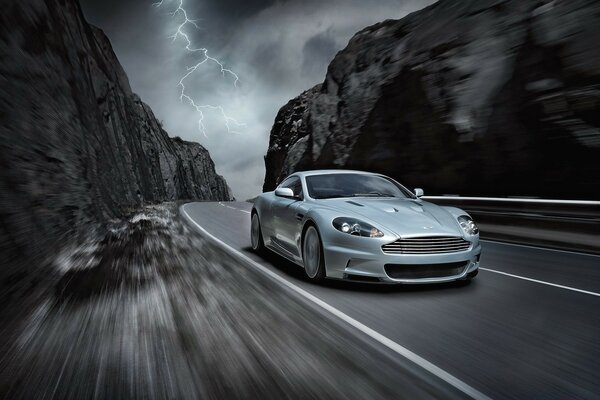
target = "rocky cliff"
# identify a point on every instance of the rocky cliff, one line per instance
(492, 97)
(76, 145)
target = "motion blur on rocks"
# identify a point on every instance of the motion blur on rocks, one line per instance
(106, 293)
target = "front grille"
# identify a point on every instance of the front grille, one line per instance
(422, 271)
(427, 245)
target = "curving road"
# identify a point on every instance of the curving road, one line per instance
(527, 327)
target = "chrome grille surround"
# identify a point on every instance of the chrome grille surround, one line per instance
(427, 245)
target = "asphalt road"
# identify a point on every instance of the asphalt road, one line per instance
(145, 308)
(528, 327)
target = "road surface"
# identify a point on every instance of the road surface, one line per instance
(527, 327)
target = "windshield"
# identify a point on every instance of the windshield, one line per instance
(353, 185)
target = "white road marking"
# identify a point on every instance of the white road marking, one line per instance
(540, 248)
(233, 208)
(541, 282)
(390, 344)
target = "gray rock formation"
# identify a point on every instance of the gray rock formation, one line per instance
(76, 145)
(477, 97)
(288, 144)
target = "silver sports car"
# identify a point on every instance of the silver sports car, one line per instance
(365, 227)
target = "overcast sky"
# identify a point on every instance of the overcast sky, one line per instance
(277, 48)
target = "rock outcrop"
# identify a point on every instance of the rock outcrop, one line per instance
(492, 97)
(76, 145)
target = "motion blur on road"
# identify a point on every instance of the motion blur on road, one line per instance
(151, 309)
(526, 327)
(126, 269)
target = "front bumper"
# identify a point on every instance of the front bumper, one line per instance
(362, 259)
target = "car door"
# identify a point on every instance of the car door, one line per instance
(286, 222)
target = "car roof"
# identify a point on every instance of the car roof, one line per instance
(330, 171)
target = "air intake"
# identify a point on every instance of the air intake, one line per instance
(425, 271)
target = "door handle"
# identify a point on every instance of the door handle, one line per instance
(299, 216)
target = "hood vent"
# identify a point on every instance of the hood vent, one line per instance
(354, 203)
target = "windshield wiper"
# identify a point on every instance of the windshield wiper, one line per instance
(372, 194)
(334, 196)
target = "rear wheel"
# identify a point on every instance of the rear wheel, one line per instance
(256, 234)
(312, 255)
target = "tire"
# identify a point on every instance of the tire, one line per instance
(312, 255)
(256, 238)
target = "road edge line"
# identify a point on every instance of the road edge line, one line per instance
(385, 341)
(531, 246)
(556, 285)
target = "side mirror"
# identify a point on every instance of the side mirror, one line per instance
(419, 192)
(284, 192)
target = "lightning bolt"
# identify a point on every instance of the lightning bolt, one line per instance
(231, 123)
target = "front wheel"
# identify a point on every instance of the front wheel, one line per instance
(256, 234)
(312, 255)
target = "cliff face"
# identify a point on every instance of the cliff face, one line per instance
(288, 144)
(76, 145)
(493, 97)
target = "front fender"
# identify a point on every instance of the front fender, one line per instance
(456, 212)
(261, 207)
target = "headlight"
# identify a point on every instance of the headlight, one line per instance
(355, 227)
(468, 225)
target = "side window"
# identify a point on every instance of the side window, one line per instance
(295, 184)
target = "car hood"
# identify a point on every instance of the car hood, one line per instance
(400, 216)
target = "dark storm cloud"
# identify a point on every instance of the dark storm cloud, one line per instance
(107, 12)
(235, 11)
(278, 49)
(230, 10)
(268, 65)
(317, 52)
